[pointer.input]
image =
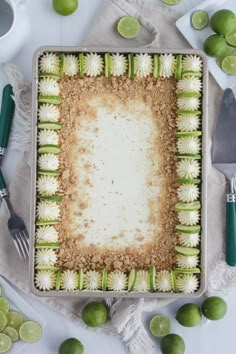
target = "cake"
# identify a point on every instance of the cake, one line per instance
(118, 172)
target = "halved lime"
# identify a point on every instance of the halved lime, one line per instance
(187, 251)
(188, 229)
(171, 2)
(58, 281)
(54, 198)
(199, 19)
(104, 279)
(229, 65)
(54, 245)
(160, 326)
(172, 344)
(132, 279)
(188, 206)
(191, 270)
(189, 156)
(107, 64)
(128, 27)
(3, 320)
(231, 39)
(49, 172)
(4, 304)
(186, 134)
(5, 343)
(189, 315)
(178, 70)
(12, 333)
(14, 319)
(188, 94)
(49, 125)
(65, 7)
(30, 332)
(156, 66)
(189, 180)
(152, 276)
(81, 279)
(81, 64)
(50, 99)
(131, 66)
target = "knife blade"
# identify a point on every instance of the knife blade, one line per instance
(224, 159)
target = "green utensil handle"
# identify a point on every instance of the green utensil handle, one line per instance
(6, 116)
(3, 186)
(231, 230)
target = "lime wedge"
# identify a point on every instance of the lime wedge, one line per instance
(189, 180)
(199, 19)
(131, 66)
(132, 279)
(81, 279)
(107, 65)
(187, 251)
(152, 276)
(160, 326)
(188, 206)
(5, 343)
(185, 134)
(104, 279)
(12, 333)
(49, 149)
(81, 64)
(157, 66)
(128, 27)
(14, 319)
(30, 332)
(58, 281)
(171, 2)
(231, 39)
(3, 320)
(188, 229)
(229, 65)
(4, 304)
(178, 71)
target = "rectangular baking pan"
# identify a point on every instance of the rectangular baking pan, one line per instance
(106, 294)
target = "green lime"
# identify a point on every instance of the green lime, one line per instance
(14, 319)
(171, 2)
(4, 304)
(223, 22)
(214, 308)
(132, 279)
(71, 346)
(229, 65)
(30, 332)
(5, 343)
(65, 7)
(95, 314)
(3, 320)
(215, 46)
(160, 326)
(152, 276)
(199, 19)
(12, 333)
(128, 27)
(188, 206)
(189, 315)
(172, 344)
(187, 251)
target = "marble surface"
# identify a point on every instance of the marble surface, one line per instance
(47, 28)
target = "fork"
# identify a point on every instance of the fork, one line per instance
(16, 225)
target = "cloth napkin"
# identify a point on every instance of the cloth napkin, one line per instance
(158, 30)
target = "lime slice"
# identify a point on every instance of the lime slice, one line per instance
(188, 229)
(48, 172)
(185, 134)
(81, 279)
(81, 64)
(51, 75)
(186, 74)
(186, 113)
(62, 64)
(189, 180)
(173, 280)
(54, 245)
(160, 326)
(131, 66)
(188, 94)
(187, 251)
(178, 71)
(152, 276)
(58, 281)
(191, 270)
(128, 27)
(156, 66)
(65, 8)
(104, 279)
(171, 2)
(214, 308)
(199, 19)
(189, 315)
(49, 149)
(189, 156)
(54, 198)
(172, 344)
(132, 279)
(50, 99)
(12, 333)
(107, 65)
(30, 332)
(188, 206)
(231, 39)
(14, 319)
(229, 65)
(49, 125)
(5, 343)
(49, 268)
(3, 320)
(43, 222)
(4, 304)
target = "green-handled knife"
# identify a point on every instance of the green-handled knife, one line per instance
(224, 159)
(6, 116)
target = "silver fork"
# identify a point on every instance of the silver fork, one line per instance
(16, 225)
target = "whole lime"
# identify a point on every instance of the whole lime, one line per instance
(215, 46)
(223, 22)
(172, 344)
(71, 346)
(65, 7)
(95, 314)
(214, 308)
(189, 315)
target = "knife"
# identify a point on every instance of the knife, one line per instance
(6, 116)
(224, 159)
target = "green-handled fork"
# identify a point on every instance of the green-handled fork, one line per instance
(16, 225)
